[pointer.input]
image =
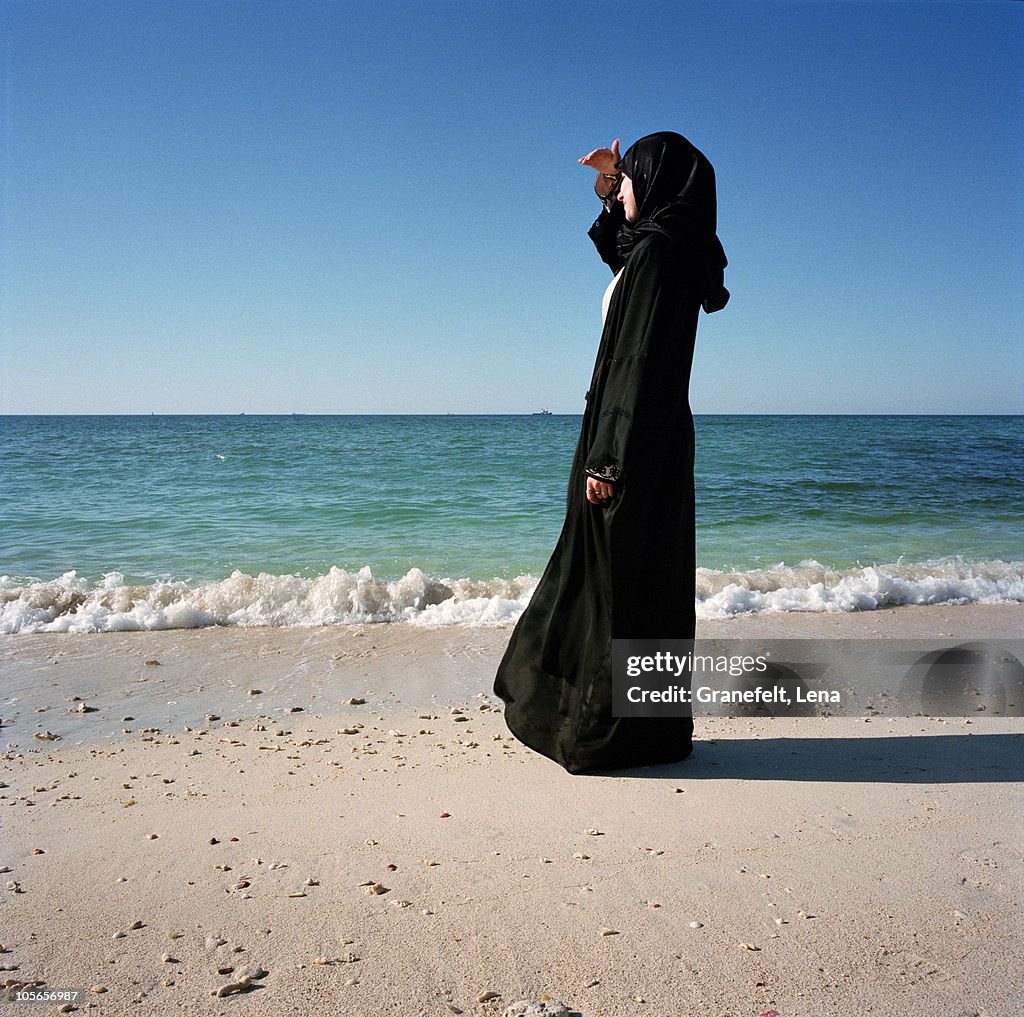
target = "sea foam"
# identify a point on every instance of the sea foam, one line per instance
(811, 586)
(72, 603)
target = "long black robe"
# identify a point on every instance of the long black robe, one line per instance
(625, 570)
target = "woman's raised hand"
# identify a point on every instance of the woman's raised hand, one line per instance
(602, 159)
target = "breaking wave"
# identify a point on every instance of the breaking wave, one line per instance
(71, 603)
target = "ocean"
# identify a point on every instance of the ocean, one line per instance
(142, 522)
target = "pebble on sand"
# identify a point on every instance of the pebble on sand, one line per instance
(245, 979)
(545, 1007)
(232, 987)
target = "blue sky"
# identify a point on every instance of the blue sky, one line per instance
(376, 207)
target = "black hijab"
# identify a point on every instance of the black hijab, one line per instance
(674, 187)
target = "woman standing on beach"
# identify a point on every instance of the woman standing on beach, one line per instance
(625, 561)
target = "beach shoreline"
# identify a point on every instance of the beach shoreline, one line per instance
(212, 670)
(811, 865)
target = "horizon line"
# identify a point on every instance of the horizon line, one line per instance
(522, 413)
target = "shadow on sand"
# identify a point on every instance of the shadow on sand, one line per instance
(920, 759)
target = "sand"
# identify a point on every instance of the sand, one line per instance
(810, 866)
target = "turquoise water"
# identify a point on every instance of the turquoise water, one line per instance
(195, 499)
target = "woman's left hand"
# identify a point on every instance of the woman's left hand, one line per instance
(598, 492)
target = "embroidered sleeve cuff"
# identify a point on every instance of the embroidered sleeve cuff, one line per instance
(609, 474)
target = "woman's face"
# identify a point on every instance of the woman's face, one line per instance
(627, 198)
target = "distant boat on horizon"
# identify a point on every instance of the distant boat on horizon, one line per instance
(543, 413)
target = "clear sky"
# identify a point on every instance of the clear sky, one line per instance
(360, 207)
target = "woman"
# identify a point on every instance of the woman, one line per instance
(624, 563)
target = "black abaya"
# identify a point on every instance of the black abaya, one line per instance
(626, 569)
